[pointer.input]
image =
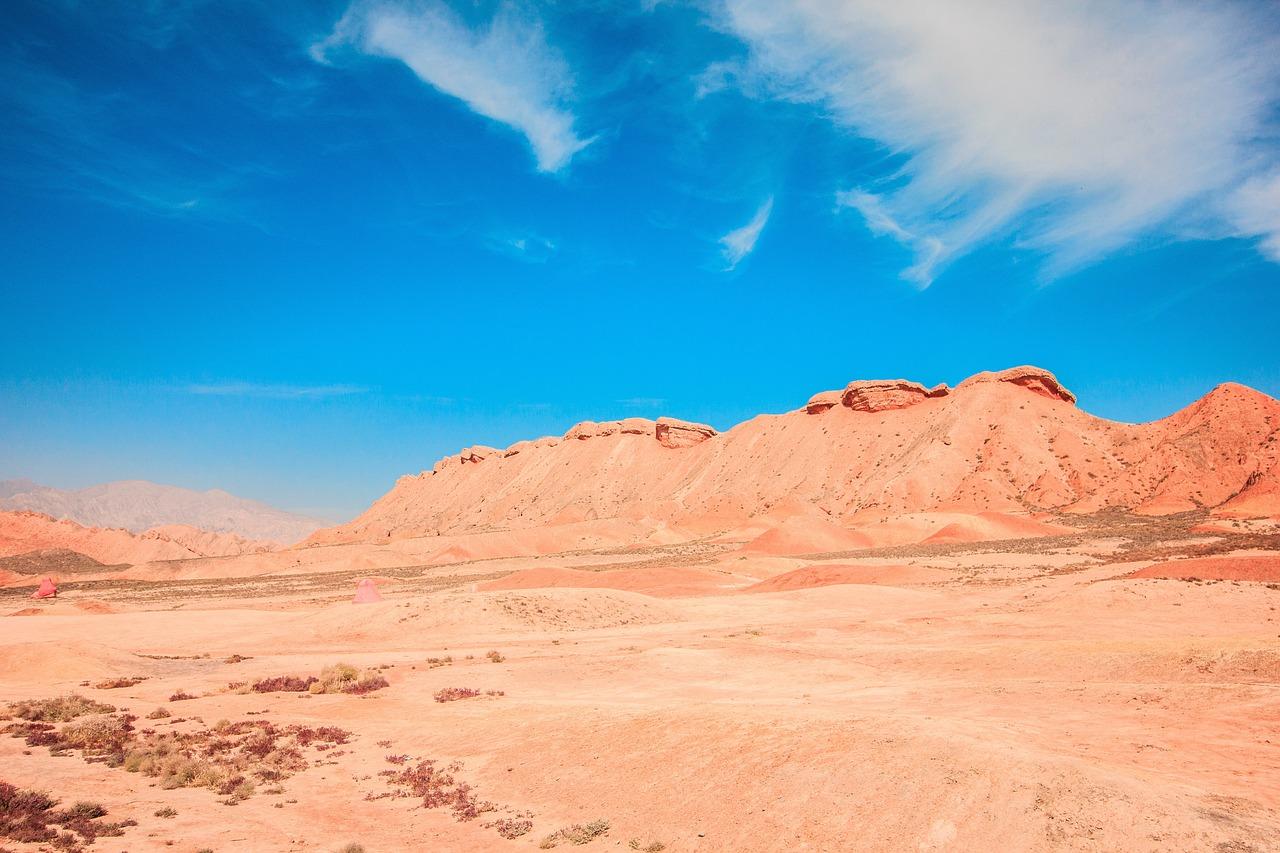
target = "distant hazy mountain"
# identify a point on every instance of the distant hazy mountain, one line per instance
(138, 505)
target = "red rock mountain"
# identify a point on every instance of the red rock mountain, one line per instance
(23, 531)
(1007, 441)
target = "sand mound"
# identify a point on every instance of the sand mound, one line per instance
(800, 535)
(659, 582)
(1251, 568)
(408, 623)
(62, 661)
(842, 573)
(92, 605)
(989, 526)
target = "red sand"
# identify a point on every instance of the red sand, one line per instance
(657, 582)
(1263, 568)
(807, 536)
(839, 573)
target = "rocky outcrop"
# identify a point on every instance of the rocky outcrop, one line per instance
(517, 448)
(478, 453)
(879, 395)
(822, 401)
(626, 426)
(1035, 379)
(674, 433)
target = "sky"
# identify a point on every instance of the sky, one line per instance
(295, 250)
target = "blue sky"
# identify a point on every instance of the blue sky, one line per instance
(296, 250)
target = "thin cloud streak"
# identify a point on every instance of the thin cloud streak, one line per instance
(504, 71)
(740, 242)
(274, 392)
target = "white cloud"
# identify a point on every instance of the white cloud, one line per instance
(525, 247)
(740, 242)
(1073, 127)
(274, 392)
(1255, 209)
(504, 71)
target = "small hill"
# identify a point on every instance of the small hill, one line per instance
(24, 532)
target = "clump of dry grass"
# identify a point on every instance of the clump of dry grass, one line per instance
(509, 827)
(344, 678)
(59, 709)
(117, 683)
(159, 714)
(651, 847)
(181, 696)
(579, 833)
(495, 657)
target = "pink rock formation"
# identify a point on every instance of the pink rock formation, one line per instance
(879, 395)
(1034, 379)
(822, 401)
(366, 592)
(674, 433)
(48, 589)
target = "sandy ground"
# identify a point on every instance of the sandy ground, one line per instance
(1016, 695)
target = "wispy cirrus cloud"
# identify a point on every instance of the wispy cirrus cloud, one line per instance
(273, 391)
(643, 402)
(1072, 128)
(504, 70)
(740, 242)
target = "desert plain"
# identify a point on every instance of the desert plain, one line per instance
(894, 619)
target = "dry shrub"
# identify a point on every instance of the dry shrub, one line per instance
(579, 833)
(495, 657)
(116, 683)
(339, 678)
(159, 714)
(284, 684)
(344, 678)
(104, 734)
(59, 709)
(453, 694)
(438, 787)
(510, 828)
(181, 696)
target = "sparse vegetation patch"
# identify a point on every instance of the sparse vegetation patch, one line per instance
(59, 709)
(29, 817)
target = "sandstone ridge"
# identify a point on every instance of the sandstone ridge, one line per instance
(1003, 441)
